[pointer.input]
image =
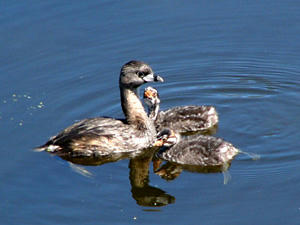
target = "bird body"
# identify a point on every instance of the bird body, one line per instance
(102, 135)
(181, 119)
(197, 149)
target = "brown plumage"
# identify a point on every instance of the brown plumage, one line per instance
(198, 150)
(101, 136)
(181, 118)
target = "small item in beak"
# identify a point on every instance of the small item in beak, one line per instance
(147, 94)
(158, 143)
(150, 93)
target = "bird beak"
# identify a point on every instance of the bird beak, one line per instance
(158, 78)
(153, 78)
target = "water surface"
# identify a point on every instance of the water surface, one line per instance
(60, 61)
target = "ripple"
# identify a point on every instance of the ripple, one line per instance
(258, 104)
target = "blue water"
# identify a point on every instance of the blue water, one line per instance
(60, 62)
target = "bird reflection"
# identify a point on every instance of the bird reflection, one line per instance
(139, 165)
(97, 161)
(170, 171)
(142, 192)
(195, 153)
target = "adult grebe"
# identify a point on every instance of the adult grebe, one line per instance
(198, 150)
(103, 136)
(181, 118)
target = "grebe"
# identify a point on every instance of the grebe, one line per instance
(182, 119)
(100, 136)
(198, 150)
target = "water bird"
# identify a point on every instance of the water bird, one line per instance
(198, 150)
(100, 136)
(182, 119)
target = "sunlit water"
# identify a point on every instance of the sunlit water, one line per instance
(60, 61)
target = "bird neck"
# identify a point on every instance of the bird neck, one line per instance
(133, 108)
(153, 111)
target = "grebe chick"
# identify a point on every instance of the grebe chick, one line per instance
(198, 150)
(103, 136)
(182, 119)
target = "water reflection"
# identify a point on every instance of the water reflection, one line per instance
(139, 169)
(170, 171)
(142, 192)
(97, 161)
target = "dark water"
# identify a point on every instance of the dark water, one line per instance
(60, 61)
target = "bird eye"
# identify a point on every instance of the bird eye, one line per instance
(140, 74)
